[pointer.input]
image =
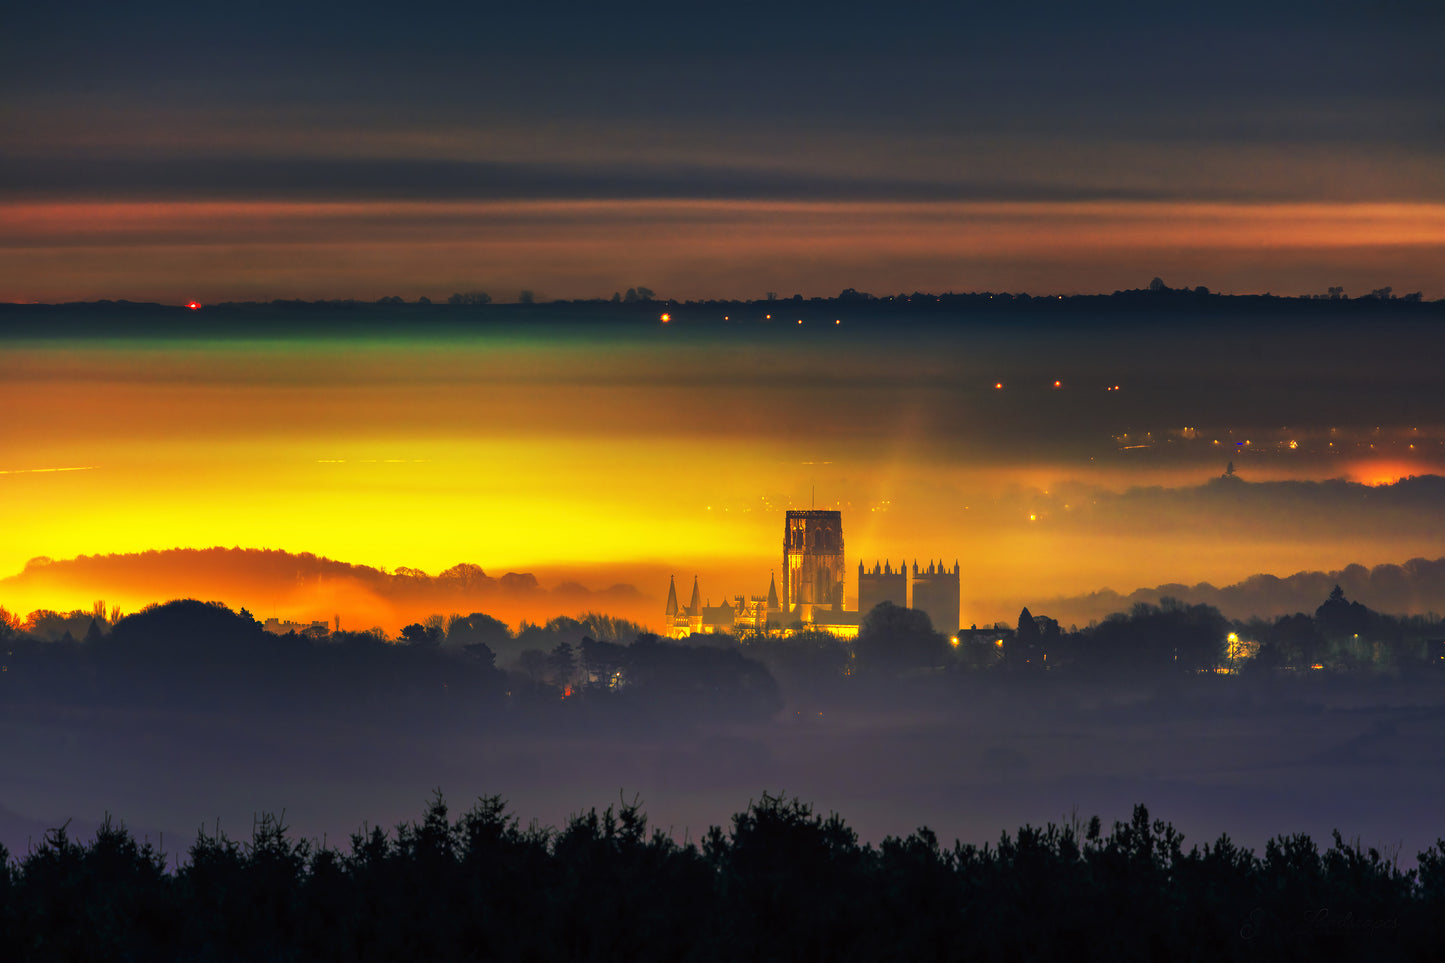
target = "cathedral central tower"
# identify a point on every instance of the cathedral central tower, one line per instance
(813, 570)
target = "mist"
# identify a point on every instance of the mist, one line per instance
(188, 714)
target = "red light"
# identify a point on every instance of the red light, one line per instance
(194, 305)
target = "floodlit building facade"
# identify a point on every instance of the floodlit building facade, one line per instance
(813, 567)
(935, 590)
(813, 592)
(883, 584)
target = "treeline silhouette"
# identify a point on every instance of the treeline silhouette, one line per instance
(641, 305)
(204, 657)
(782, 882)
(1340, 638)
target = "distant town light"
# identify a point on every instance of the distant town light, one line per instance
(998, 385)
(666, 318)
(194, 305)
(1058, 384)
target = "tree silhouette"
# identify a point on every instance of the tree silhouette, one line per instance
(892, 637)
(1028, 630)
(1171, 636)
(419, 634)
(478, 628)
(9, 624)
(562, 665)
(1338, 617)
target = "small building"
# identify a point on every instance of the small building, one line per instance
(284, 627)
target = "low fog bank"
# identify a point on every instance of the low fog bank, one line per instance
(309, 587)
(1253, 760)
(188, 714)
(1417, 587)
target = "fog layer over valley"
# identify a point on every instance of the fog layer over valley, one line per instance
(188, 713)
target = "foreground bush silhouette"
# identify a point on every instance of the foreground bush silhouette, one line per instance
(782, 883)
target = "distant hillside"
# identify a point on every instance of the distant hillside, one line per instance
(289, 318)
(313, 587)
(1416, 587)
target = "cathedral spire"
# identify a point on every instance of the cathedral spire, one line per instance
(695, 606)
(773, 604)
(671, 612)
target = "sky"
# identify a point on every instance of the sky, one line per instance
(166, 152)
(169, 151)
(1048, 460)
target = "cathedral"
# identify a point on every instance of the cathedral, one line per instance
(814, 596)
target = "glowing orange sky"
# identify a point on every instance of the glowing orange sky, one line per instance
(610, 459)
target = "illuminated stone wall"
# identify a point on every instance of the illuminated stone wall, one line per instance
(935, 591)
(883, 584)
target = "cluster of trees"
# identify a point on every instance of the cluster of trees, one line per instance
(474, 298)
(51, 626)
(1149, 639)
(1173, 636)
(633, 296)
(1345, 636)
(783, 882)
(204, 656)
(1386, 293)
